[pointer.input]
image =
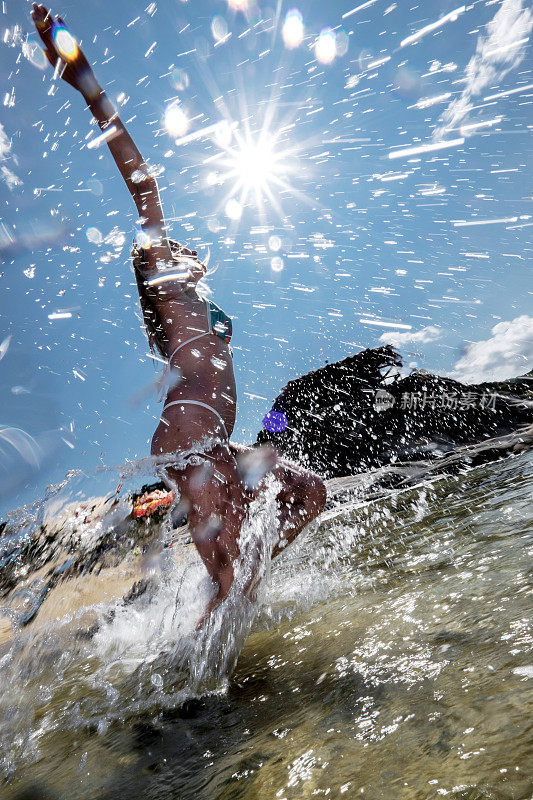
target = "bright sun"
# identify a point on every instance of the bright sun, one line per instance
(255, 167)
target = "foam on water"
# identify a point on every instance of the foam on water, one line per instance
(135, 656)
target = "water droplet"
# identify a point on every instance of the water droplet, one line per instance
(233, 209)
(157, 680)
(274, 243)
(326, 46)
(176, 120)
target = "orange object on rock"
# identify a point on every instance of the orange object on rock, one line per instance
(152, 501)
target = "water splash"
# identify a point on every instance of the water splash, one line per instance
(84, 651)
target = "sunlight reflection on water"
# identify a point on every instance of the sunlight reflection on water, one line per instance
(391, 654)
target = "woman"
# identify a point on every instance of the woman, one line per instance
(192, 335)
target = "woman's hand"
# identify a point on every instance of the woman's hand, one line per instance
(59, 44)
(64, 54)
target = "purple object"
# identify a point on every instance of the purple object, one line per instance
(275, 421)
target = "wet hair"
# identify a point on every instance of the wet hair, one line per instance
(152, 322)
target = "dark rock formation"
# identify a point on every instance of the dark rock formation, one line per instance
(353, 415)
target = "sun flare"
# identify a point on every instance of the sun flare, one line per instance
(255, 164)
(257, 167)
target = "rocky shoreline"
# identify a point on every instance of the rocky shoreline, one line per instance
(360, 414)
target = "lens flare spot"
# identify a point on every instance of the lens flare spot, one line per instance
(213, 225)
(143, 240)
(176, 121)
(219, 28)
(293, 29)
(179, 79)
(326, 46)
(94, 236)
(277, 264)
(223, 134)
(233, 209)
(364, 59)
(342, 43)
(34, 53)
(274, 243)
(66, 44)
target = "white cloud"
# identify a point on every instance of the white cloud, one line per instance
(508, 353)
(499, 50)
(5, 144)
(428, 334)
(10, 179)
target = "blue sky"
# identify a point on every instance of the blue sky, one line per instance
(339, 231)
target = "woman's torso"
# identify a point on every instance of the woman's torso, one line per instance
(197, 333)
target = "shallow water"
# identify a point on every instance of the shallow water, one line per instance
(391, 658)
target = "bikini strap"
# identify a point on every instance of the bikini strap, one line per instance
(203, 405)
(187, 341)
(194, 338)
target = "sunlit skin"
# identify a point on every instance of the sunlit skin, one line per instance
(216, 499)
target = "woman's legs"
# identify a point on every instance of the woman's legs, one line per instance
(219, 504)
(212, 493)
(216, 498)
(301, 498)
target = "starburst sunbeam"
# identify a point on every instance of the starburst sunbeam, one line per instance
(257, 167)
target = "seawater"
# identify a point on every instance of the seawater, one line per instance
(387, 655)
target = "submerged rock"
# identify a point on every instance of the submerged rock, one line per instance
(57, 564)
(355, 415)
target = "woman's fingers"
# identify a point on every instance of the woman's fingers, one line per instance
(43, 22)
(76, 70)
(46, 25)
(40, 15)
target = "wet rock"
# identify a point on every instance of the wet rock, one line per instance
(355, 415)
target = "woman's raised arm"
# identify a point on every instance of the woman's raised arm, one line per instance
(65, 55)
